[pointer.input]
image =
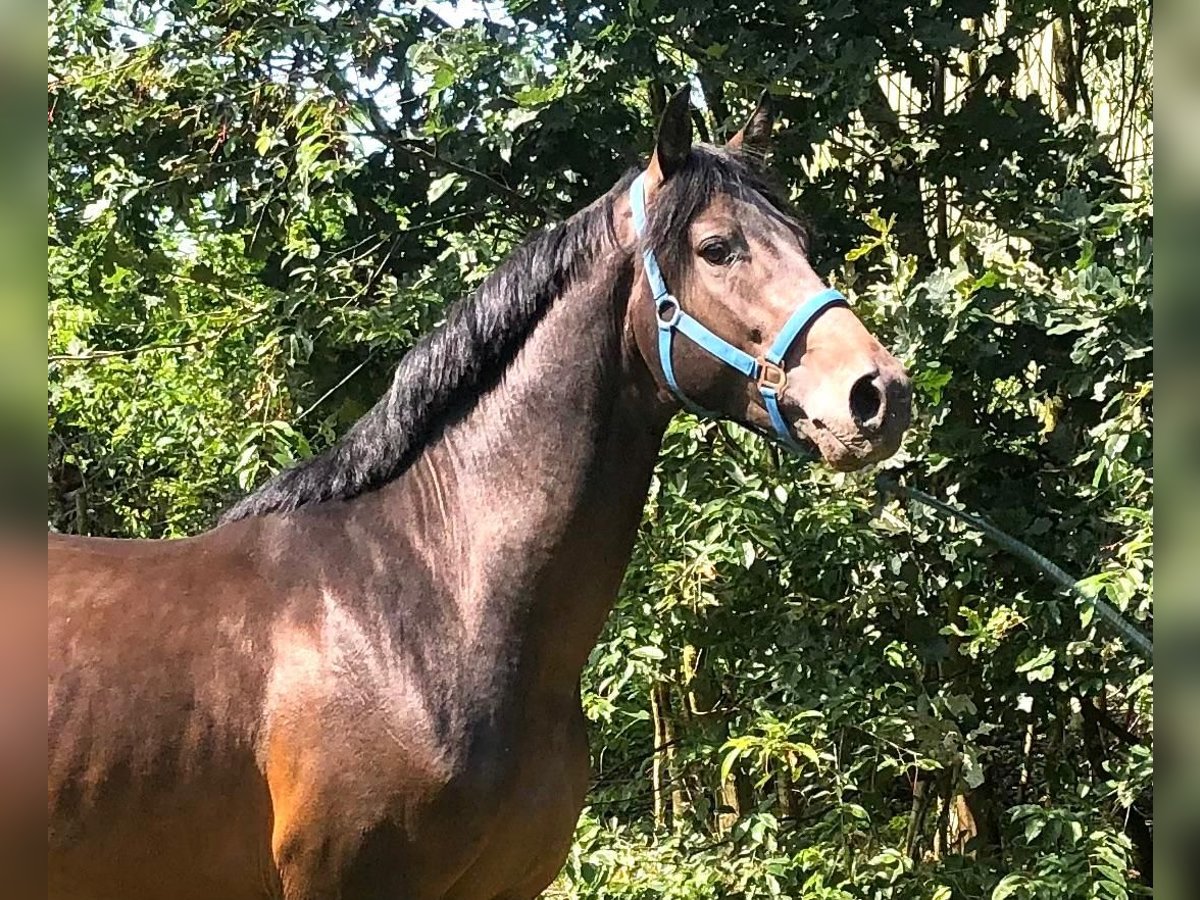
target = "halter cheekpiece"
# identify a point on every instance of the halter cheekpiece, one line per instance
(766, 371)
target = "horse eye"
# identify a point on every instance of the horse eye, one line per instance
(717, 252)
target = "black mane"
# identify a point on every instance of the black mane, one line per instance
(450, 368)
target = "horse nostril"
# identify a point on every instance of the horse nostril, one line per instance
(866, 402)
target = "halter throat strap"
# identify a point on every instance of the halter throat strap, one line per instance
(766, 371)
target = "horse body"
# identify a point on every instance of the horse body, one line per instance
(366, 683)
(152, 712)
(415, 729)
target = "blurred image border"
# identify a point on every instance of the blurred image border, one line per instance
(1177, 188)
(1177, 494)
(23, 156)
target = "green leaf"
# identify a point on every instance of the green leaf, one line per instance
(1008, 886)
(649, 652)
(439, 186)
(1033, 828)
(729, 761)
(265, 139)
(1035, 660)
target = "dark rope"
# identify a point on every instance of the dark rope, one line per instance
(1132, 635)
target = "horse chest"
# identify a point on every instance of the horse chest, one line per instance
(520, 798)
(453, 798)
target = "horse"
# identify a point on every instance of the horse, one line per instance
(364, 681)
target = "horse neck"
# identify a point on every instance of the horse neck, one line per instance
(537, 493)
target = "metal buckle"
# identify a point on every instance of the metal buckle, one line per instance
(667, 304)
(771, 376)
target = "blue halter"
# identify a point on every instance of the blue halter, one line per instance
(767, 371)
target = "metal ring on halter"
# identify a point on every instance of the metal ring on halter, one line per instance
(771, 375)
(669, 304)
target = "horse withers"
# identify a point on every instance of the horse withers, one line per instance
(364, 683)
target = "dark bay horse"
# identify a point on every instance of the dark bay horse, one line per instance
(364, 683)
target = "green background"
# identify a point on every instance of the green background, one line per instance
(255, 208)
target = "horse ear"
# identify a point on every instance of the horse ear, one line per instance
(674, 141)
(755, 135)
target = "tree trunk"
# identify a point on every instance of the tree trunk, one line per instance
(729, 801)
(922, 796)
(1068, 44)
(1026, 758)
(714, 94)
(670, 798)
(657, 764)
(784, 796)
(937, 109)
(912, 237)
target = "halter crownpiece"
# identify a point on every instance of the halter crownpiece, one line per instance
(766, 371)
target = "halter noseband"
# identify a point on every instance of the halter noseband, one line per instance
(767, 370)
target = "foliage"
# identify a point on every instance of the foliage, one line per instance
(257, 205)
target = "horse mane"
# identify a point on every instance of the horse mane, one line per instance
(447, 371)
